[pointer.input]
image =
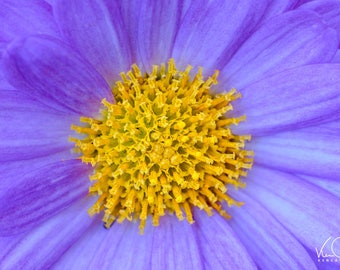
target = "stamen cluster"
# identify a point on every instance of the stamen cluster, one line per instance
(163, 147)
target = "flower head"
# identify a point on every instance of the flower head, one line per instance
(161, 143)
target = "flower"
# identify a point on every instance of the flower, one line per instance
(58, 61)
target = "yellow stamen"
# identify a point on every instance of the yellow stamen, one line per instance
(165, 146)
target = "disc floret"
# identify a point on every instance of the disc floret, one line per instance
(164, 146)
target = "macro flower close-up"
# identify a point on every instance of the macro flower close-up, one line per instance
(169, 134)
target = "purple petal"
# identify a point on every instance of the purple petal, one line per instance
(143, 51)
(129, 13)
(307, 211)
(301, 2)
(29, 129)
(185, 7)
(330, 128)
(101, 41)
(123, 247)
(279, 7)
(311, 151)
(336, 58)
(212, 31)
(155, 43)
(4, 84)
(55, 75)
(327, 184)
(269, 243)
(22, 18)
(329, 10)
(45, 244)
(120, 246)
(7, 244)
(32, 196)
(170, 239)
(219, 244)
(291, 99)
(291, 40)
(327, 265)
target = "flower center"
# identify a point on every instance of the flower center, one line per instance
(164, 146)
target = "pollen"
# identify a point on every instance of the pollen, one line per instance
(163, 147)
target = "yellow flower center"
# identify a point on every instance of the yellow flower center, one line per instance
(164, 146)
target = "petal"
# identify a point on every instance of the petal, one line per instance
(301, 2)
(220, 247)
(101, 41)
(4, 84)
(22, 18)
(336, 58)
(155, 43)
(175, 244)
(54, 74)
(7, 244)
(211, 31)
(9, 170)
(185, 7)
(129, 12)
(307, 211)
(327, 184)
(324, 265)
(279, 7)
(156, 48)
(291, 40)
(329, 11)
(268, 242)
(39, 194)
(149, 44)
(311, 151)
(330, 128)
(29, 129)
(122, 246)
(45, 244)
(291, 99)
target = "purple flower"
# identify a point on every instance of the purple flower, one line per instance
(59, 60)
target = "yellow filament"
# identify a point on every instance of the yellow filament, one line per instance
(164, 146)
